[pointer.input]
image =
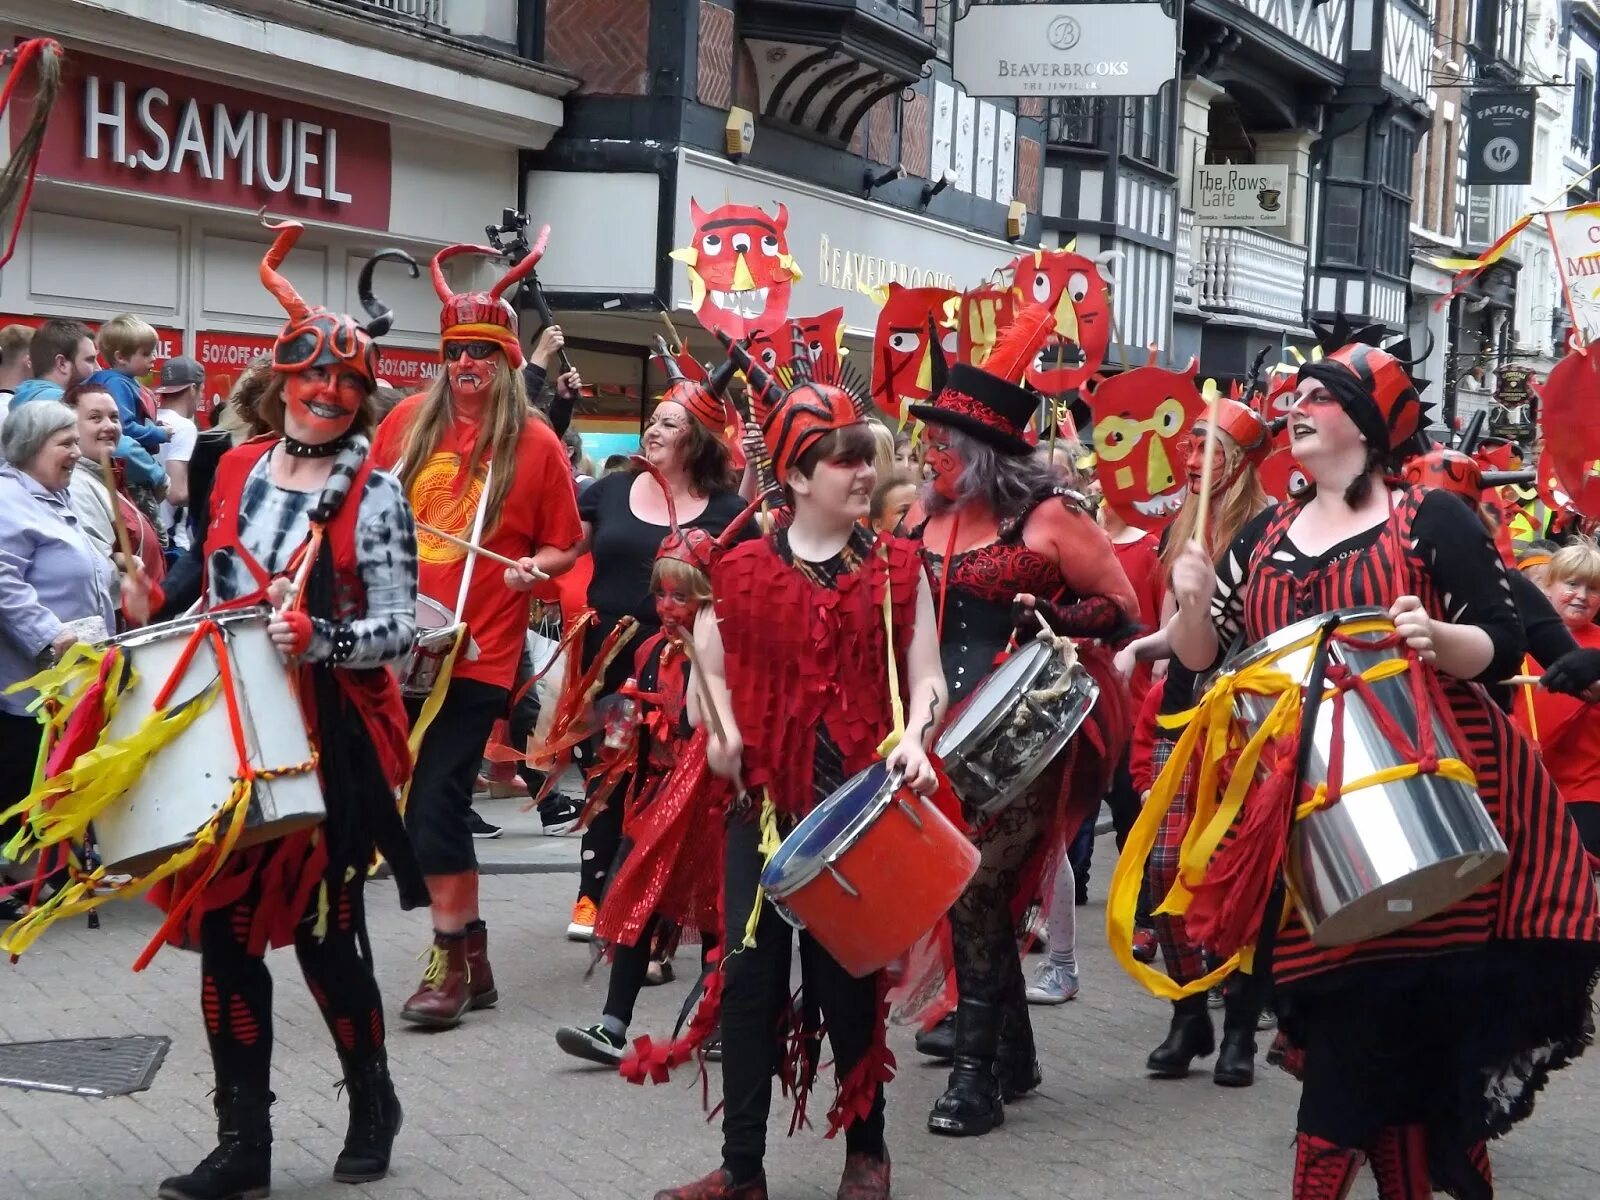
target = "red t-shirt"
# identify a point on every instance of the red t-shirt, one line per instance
(1141, 563)
(541, 509)
(1567, 732)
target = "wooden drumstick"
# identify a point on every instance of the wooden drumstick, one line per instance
(1523, 681)
(466, 545)
(124, 543)
(1202, 521)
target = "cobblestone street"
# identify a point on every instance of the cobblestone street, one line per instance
(494, 1110)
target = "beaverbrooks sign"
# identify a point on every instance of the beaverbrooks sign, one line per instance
(1065, 49)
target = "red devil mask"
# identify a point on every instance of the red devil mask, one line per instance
(340, 349)
(799, 417)
(740, 269)
(1569, 420)
(703, 396)
(822, 337)
(1448, 471)
(1074, 289)
(484, 316)
(912, 333)
(1141, 419)
(983, 314)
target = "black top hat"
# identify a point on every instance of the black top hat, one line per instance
(983, 406)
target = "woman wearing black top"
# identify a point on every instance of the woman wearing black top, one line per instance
(624, 518)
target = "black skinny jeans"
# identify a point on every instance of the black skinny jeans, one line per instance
(755, 1001)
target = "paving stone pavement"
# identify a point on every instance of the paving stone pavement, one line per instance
(494, 1110)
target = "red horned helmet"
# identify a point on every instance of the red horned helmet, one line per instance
(1244, 425)
(704, 398)
(824, 397)
(1373, 384)
(1447, 470)
(319, 337)
(484, 316)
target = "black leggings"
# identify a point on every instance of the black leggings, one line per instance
(19, 753)
(629, 965)
(236, 987)
(755, 999)
(1586, 816)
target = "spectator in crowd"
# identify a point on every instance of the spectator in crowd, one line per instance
(129, 345)
(15, 367)
(883, 449)
(97, 503)
(536, 372)
(891, 500)
(183, 383)
(905, 455)
(385, 398)
(614, 463)
(55, 586)
(61, 353)
(582, 468)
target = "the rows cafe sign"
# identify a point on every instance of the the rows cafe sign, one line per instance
(119, 125)
(1064, 49)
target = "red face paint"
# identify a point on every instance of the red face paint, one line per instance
(471, 378)
(944, 464)
(319, 405)
(676, 610)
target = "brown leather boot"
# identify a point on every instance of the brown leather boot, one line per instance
(444, 995)
(480, 975)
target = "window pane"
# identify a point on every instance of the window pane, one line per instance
(1348, 158)
(1074, 121)
(1341, 225)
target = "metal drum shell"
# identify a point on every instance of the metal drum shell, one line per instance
(1388, 855)
(436, 633)
(870, 870)
(192, 777)
(981, 725)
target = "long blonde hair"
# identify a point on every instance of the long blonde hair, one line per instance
(1230, 512)
(508, 414)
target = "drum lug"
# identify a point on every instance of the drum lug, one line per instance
(910, 811)
(786, 913)
(844, 884)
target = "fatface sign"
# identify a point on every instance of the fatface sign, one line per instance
(1499, 137)
(1065, 49)
(120, 125)
(1241, 195)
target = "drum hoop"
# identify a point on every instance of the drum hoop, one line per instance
(997, 716)
(793, 880)
(1304, 632)
(151, 634)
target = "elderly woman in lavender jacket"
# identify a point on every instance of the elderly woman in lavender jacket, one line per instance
(55, 586)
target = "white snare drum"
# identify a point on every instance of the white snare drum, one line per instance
(192, 776)
(436, 633)
(1014, 725)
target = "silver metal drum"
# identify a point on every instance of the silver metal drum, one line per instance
(1388, 855)
(436, 633)
(192, 776)
(1014, 725)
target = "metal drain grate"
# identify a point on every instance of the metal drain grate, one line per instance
(83, 1066)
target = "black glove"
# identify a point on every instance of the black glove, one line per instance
(1574, 673)
(1092, 617)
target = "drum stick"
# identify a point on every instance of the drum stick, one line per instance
(1523, 681)
(468, 546)
(123, 541)
(1202, 521)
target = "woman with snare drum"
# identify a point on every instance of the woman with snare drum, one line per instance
(1007, 546)
(1414, 1046)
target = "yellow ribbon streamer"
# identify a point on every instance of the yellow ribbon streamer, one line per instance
(767, 847)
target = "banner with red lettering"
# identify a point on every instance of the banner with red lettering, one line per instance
(1576, 235)
(224, 356)
(408, 371)
(132, 128)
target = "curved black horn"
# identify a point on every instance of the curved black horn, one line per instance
(669, 363)
(1252, 382)
(718, 381)
(1408, 363)
(382, 315)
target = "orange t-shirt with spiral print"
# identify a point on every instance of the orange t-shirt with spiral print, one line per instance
(541, 509)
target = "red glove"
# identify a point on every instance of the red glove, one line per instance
(300, 631)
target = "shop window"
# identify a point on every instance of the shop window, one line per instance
(1582, 108)
(1341, 225)
(1147, 123)
(944, 24)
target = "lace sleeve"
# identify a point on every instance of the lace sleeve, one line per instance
(386, 556)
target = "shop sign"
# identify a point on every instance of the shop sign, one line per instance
(169, 342)
(1227, 194)
(408, 370)
(1480, 217)
(1499, 137)
(225, 356)
(1512, 385)
(124, 126)
(1575, 233)
(1065, 49)
(844, 247)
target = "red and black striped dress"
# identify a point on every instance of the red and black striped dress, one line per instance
(1545, 896)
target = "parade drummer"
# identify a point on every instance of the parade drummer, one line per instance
(479, 464)
(797, 655)
(1416, 1046)
(309, 488)
(1009, 546)
(1240, 441)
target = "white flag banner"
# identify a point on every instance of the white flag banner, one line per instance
(1575, 233)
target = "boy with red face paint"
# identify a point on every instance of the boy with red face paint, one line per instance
(478, 463)
(308, 492)
(670, 870)
(1006, 542)
(803, 703)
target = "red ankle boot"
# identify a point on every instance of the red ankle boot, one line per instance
(480, 975)
(866, 1177)
(718, 1185)
(444, 995)
(1400, 1162)
(1323, 1171)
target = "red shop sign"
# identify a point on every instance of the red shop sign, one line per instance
(169, 342)
(224, 356)
(133, 128)
(408, 370)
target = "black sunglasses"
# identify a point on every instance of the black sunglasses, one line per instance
(477, 351)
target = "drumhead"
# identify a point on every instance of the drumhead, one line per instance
(830, 829)
(990, 702)
(433, 615)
